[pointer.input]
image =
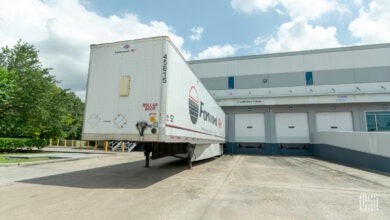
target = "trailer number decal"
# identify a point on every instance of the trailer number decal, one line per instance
(150, 106)
(165, 62)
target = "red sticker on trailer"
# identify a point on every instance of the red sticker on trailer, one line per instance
(150, 106)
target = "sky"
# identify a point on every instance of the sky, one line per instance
(63, 30)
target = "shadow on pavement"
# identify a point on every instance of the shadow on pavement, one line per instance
(124, 175)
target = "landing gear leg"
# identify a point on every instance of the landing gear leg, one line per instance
(147, 150)
(190, 152)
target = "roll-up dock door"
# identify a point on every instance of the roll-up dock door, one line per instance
(334, 121)
(292, 128)
(249, 127)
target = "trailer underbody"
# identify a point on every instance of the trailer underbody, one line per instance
(186, 151)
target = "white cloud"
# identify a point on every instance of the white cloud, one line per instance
(373, 24)
(196, 33)
(217, 51)
(252, 6)
(307, 9)
(186, 54)
(299, 35)
(279, 11)
(63, 31)
(261, 40)
(358, 2)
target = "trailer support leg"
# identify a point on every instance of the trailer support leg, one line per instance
(147, 156)
(190, 152)
(147, 151)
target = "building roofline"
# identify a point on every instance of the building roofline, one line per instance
(293, 53)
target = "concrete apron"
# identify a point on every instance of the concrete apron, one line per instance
(321, 151)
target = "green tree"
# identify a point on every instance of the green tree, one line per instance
(34, 105)
(33, 83)
(68, 110)
(7, 94)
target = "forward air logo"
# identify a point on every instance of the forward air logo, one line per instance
(197, 108)
(193, 103)
(126, 49)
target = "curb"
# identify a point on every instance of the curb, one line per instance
(75, 150)
(26, 164)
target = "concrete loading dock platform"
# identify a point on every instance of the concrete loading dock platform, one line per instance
(230, 187)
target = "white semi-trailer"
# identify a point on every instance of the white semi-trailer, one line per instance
(143, 91)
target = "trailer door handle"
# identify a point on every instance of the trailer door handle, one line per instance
(291, 126)
(333, 127)
(249, 127)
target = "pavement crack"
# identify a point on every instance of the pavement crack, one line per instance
(220, 187)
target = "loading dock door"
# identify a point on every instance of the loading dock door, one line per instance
(249, 127)
(292, 128)
(334, 121)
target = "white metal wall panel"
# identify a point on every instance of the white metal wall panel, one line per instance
(249, 127)
(369, 142)
(334, 121)
(292, 128)
(294, 62)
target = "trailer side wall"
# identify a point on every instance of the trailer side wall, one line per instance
(191, 112)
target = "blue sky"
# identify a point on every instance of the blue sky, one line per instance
(63, 29)
(221, 25)
(224, 23)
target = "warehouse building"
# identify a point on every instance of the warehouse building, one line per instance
(280, 103)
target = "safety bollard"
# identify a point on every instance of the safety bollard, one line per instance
(123, 147)
(96, 144)
(72, 143)
(58, 142)
(65, 143)
(51, 142)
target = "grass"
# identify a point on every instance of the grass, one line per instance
(4, 159)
